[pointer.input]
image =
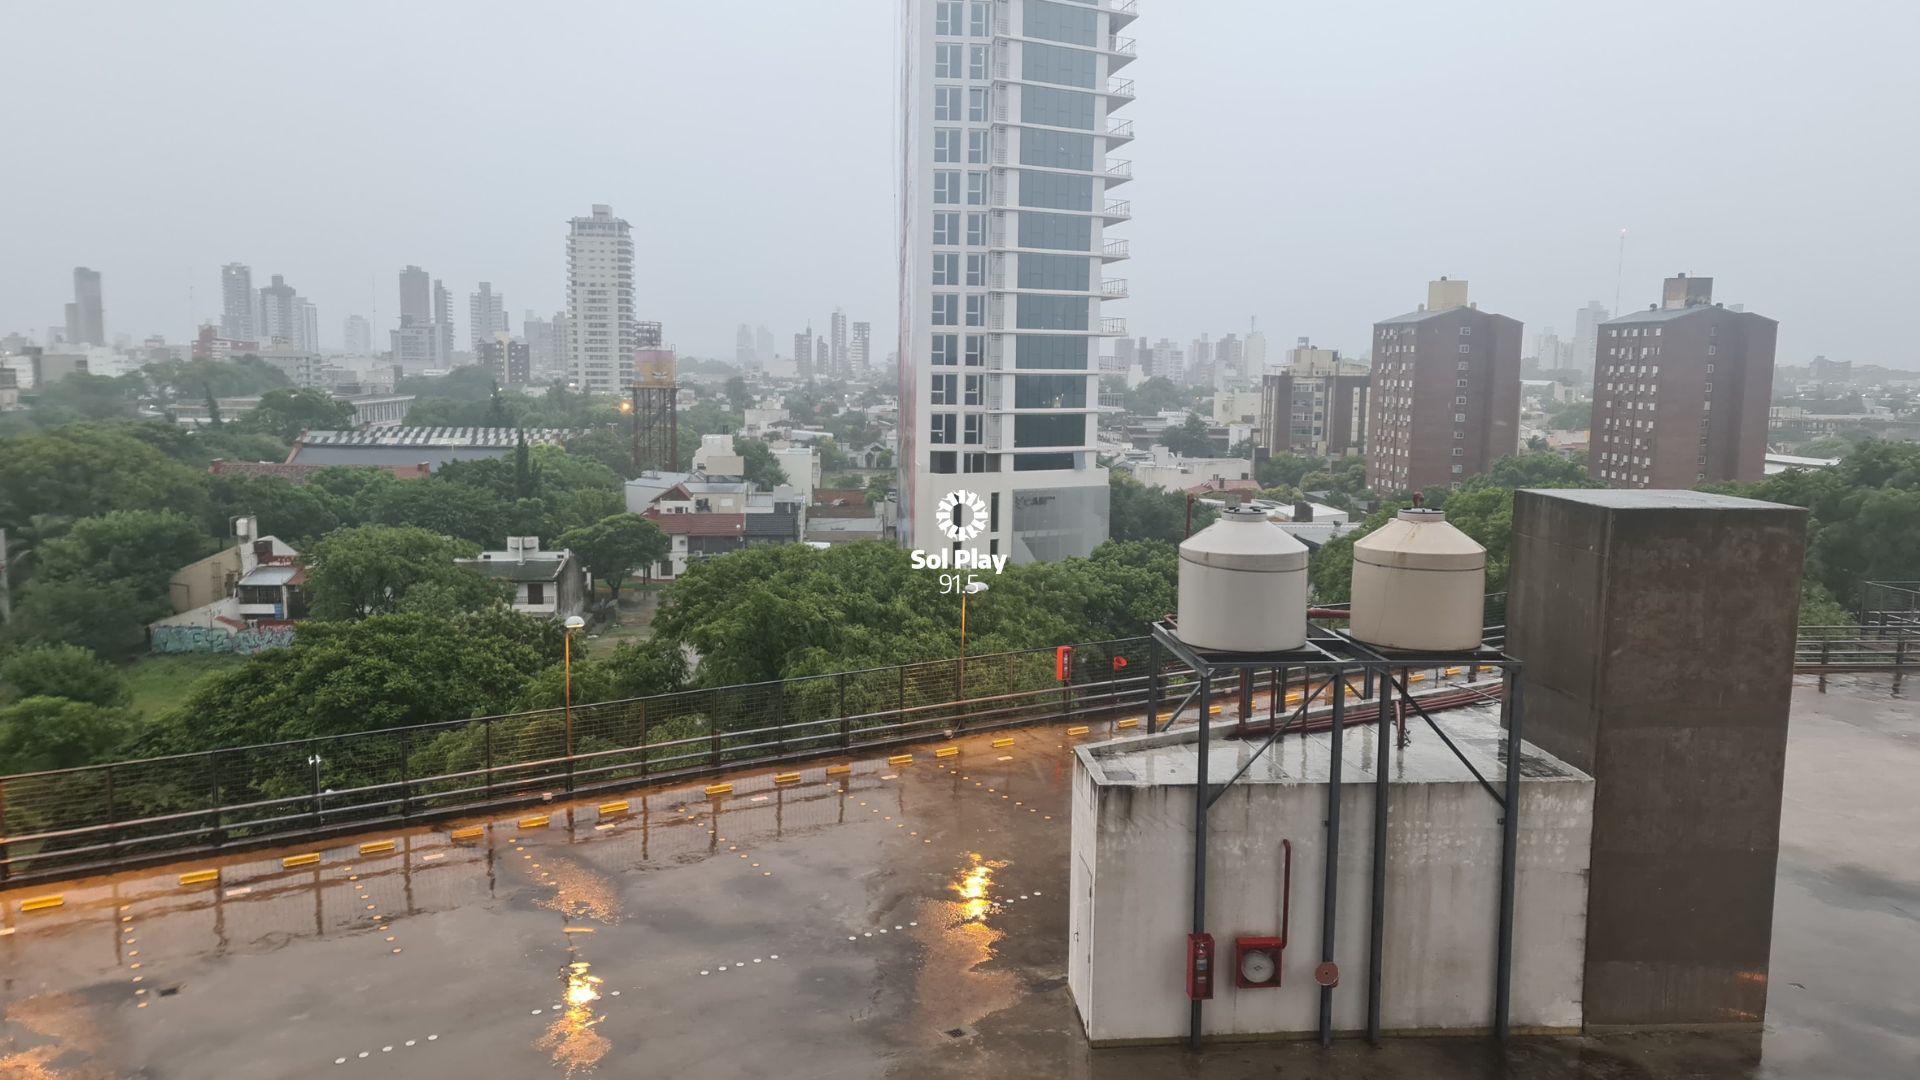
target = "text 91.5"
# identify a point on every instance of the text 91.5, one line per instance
(950, 584)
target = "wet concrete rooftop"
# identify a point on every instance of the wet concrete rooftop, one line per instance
(897, 921)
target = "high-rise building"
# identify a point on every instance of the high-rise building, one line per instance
(236, 302)
(1256, 351)
(1230, 361)
(823, 359)
(72, 332)
(803, 351)
(90, 322)
(763, 345)
(416, 296)
(442, 323)
(1166, 361)
(1681, 392)
(1316, 406)
(1200, 369)
(1549, 352)
(837, 332)
(486, 315)
(356, 335)
(507, 360)
(743, 349)
(1586, 323)
(309, 325)
(601, 335)
(544, 352)
(285, 321)
(1007, 184)
(860, 351)
(1445, 394)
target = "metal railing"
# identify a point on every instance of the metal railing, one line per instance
(1114, 288)
(1122, 45)
(1120, 129)
(1113, 326)
(1114, 249)
(1884, 646)
(1122, 88)
(1119, 209)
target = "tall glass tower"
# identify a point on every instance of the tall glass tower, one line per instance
(1007, 189)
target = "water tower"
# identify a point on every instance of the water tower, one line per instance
(655, 408)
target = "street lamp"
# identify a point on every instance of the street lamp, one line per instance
(969, 589)
(574, 622)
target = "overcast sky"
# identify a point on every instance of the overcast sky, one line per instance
(1311, 164)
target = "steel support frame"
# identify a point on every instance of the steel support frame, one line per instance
(1336, 655)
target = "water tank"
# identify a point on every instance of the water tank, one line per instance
(1418, 584)
(1243, 586)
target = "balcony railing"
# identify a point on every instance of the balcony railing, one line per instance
(1114, 288)
(1126, 7)
(1113, 326)
(1121, 89)
(1119, 169)
(1121, 45)
(1118, 210)
(1115, 249)
(1120, 129)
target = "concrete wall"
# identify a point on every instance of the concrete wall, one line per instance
(1657, 629)
(1131, 906)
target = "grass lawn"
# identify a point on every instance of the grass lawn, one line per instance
(161, 683)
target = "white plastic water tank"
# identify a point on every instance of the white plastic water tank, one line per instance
(1243, 585)
(1418, 584)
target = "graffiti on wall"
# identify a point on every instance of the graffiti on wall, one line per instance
(219, 639)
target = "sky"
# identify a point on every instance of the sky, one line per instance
(1312, 165)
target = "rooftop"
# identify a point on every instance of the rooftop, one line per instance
(492, 438)
(699, 524)
(512, 566)
(1656, 499)
(1666, 314)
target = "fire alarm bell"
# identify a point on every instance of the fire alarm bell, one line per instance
(1256, 961)
(1199, 967)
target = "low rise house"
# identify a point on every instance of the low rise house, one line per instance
(546, 584)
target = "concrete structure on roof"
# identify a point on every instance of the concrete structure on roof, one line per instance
(1444, 401)
(716, 457)
(546, 584)
(1129, 899)
(414, 445)
(1658, 629)
(1681, 392)
(1165, 470)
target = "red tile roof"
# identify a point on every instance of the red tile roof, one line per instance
(699, 524)
(298, 474)
(848, 496)
(1217, 484)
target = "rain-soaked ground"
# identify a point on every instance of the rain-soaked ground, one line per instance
(896, 921)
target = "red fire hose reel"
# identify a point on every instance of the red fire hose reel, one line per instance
(1257, 960)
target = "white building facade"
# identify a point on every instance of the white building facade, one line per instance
(1007, 189)
(601, 334)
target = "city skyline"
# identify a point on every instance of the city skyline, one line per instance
(1540, 245)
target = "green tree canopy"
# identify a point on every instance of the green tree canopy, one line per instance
(763, 470)
(1155, 395)
(41, 733)
(355, 573)
(140, 549)
(88, 469)
(189, 380)
(63, 671)
(1190, 438)
(1137, 512)
(286, 413)
(614, 547)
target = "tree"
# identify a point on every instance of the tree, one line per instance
(298, 514)
(447, 508)
(81, 397)
(605, 447)
(64, 671)
(1137, 512)
(1571, 416)
(1287, 469)
(88, 469)
(739, 399)
(42, 733)
(243, 376)
(1189, 439)
(140, 549)
(108, 619)
(614, 547)
(356, 573)
(1155, 395)
(762, 468)
(287, 413)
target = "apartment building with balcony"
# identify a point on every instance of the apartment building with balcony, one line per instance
(1444, 399)
(1681, 392)
(602, 332)
(1009, 185)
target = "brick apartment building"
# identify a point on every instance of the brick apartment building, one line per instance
(1445, 395)
(1680, 392)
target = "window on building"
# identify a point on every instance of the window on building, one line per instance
(1053, 64)
(945, 346)
(1056, 191)
(1459, 469)
(1056, 149)
(976, 269)
(946, 146)
(982, 19)
(1075, 24)
(943, 429)
(948, 16)
(946, 102)
(1057, 108)
(1459, 418)
(946, 185)
(970, 429)
(1459, 451)
(1460, 400)
(976, 309)
(977, 104)
(976, 350)
(946, 309)
(973, 390)
(976, 230)
(946, 228)
(1459, 382)
(1464, 365)
(976, 189)
(946, 61)
(1466, 348)
(942, 461)
(976, 147)
(946, 268)
(976, 61)
(941, 390)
